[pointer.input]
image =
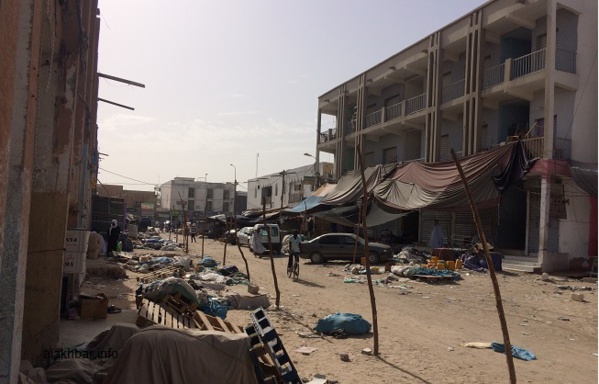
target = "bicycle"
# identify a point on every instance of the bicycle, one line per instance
(293, 272)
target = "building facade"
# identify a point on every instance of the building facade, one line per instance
(286, 188)
(198, 198)
(48, 164)
(508, 69)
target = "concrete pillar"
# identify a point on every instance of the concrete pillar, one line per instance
(544, 217)
(550, 80)
(20, 59)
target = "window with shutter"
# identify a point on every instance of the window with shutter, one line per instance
(444, 155)
(390, 155)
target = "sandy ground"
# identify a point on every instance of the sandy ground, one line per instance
(422, 326)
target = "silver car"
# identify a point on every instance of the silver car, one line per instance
(244, 235)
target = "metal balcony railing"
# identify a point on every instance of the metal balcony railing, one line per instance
(536, 146)
(453, 91)
(393, 111)
(533, 62)
(373, 118)
(493, 76)
(415, 104)
(328, 135)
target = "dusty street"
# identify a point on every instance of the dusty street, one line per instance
(422, 326)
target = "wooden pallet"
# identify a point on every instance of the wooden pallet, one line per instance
(173, 311)
(151, 313)
(158, 275)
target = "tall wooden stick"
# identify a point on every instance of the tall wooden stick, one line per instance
(272, 261)
(498, 302)
(247, 268)
(225, 237)
(375, 326)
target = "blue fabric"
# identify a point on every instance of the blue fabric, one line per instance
(517, 352)
(307, 204)
(208, 261)
(215, 308)
(349, 323)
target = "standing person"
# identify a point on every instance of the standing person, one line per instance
(114, 231)
(310, 227)
(294, 249)
(257, 246)
(437, 236)
(192, 232)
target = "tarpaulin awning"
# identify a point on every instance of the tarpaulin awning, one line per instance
(439, 186)
(349, 188)
(312, 202)
(586, 179)
(350, 215)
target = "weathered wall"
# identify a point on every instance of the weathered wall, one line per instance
(19, 33)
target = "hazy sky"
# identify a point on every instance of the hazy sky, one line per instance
(226, 80)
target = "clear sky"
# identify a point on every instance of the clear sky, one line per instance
(228, 80)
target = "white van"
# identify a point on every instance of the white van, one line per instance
(275, 236)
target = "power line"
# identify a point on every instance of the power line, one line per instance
(125, 177)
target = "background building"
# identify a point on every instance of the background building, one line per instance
(288, 187)
(198, 198)
(507, 70)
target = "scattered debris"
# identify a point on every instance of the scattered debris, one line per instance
(306, 350)
(344, 357)
(367, 351)
(577, 297)
(477, 344)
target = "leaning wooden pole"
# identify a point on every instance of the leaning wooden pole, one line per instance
(247, 268)
(375, 327)
(498, 301)
(225, 238)
(272, 261)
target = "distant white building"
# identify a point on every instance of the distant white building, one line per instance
(197, 197)
(286, 188)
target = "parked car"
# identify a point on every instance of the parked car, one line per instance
(244, 235)
(340, 246)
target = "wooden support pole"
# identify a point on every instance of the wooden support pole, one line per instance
(498, 301)
(272, 261)
(375, 327)
(247, 268)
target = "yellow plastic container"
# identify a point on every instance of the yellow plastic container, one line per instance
(450, 265)
(441, 265)
(458, 264)
(434, 259)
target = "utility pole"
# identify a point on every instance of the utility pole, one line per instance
(282, 186)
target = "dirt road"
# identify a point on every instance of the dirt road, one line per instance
(423, 326)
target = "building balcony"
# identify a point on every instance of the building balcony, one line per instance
(532, 63)
(536, 147)
(453, 91)
(330, 134)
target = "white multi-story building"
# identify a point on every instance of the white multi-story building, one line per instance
(286, 188)
(509, 68)
(197, 197)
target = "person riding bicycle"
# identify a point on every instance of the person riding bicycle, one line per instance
(294, 248)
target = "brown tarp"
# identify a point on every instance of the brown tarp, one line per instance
(161, 355)
(438, 186)
(349, 188)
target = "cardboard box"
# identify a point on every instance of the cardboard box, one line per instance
(93, 307)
